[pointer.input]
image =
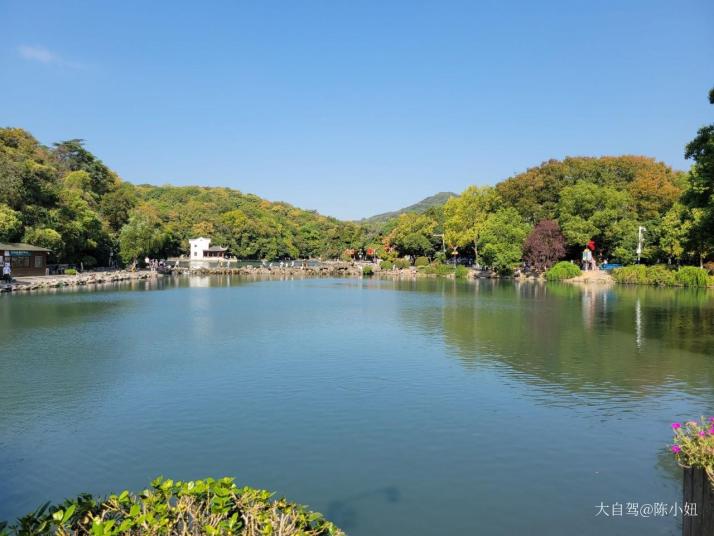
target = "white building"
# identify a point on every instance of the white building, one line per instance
(200, 248)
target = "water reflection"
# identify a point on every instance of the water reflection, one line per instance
(365, 399)
(586, 339)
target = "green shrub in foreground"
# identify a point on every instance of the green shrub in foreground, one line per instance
(367, 270)
(562, 270)
(171, 508)
(691, 276)
(421, 261)
(70, 271)
(386, 265)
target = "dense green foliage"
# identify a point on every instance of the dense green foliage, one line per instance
(604, 199)
(690, 276)
(661, 275)
(171, 508)
(67, 200)
(562, 270)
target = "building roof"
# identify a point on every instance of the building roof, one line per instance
(217, 248)
(17, 246)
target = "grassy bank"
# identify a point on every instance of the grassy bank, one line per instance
(662, 275)
(171, 508)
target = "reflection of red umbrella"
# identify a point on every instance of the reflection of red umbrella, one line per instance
(591, 245)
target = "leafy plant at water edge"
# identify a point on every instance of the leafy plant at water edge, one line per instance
(386, 265)
(421, 261)
(174, 508)
(367, 270)
(438, 268)
(70, 271)
(691, 276)
(635, 275)
(461, 272)
(694, 444)
(661, 275)
(562, 270)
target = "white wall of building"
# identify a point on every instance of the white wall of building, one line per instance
(198, 246)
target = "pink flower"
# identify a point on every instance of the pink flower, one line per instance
(702, 433)
(676, 449)
(711, 419)
(676, 425)
(711, 430)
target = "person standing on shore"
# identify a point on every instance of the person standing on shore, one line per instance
(584, 259)
(7, 272)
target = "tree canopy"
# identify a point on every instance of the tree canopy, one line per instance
(66, 199)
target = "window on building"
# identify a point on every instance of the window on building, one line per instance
(39, 261)
(20, 262)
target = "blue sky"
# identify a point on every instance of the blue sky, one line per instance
(356, 107)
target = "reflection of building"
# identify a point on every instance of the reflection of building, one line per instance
(24, 259)
(201, 248)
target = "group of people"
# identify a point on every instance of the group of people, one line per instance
(588, 257)
(154, 264)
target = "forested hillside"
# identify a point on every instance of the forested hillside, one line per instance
(436, 200)
(65, 199)
(554, 210)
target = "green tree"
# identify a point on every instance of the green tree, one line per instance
(674, 232)
(116, 205)
(700, 194)
(501, 239)
(44, 237)
(10, 223)
(465, 216)
(601, 213)
(413, 234)
(73, 156)
(141, 236)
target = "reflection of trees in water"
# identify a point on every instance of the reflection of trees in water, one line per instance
(583, 338)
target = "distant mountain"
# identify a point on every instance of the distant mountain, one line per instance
(425, 204)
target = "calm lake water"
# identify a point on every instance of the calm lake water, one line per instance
(393, 407)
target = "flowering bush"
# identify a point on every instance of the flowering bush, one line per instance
(694, 444)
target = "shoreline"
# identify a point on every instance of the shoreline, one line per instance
(25, 284)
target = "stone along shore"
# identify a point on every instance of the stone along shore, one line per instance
(24, 283)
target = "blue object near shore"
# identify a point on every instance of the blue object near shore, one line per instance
(610, 266)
